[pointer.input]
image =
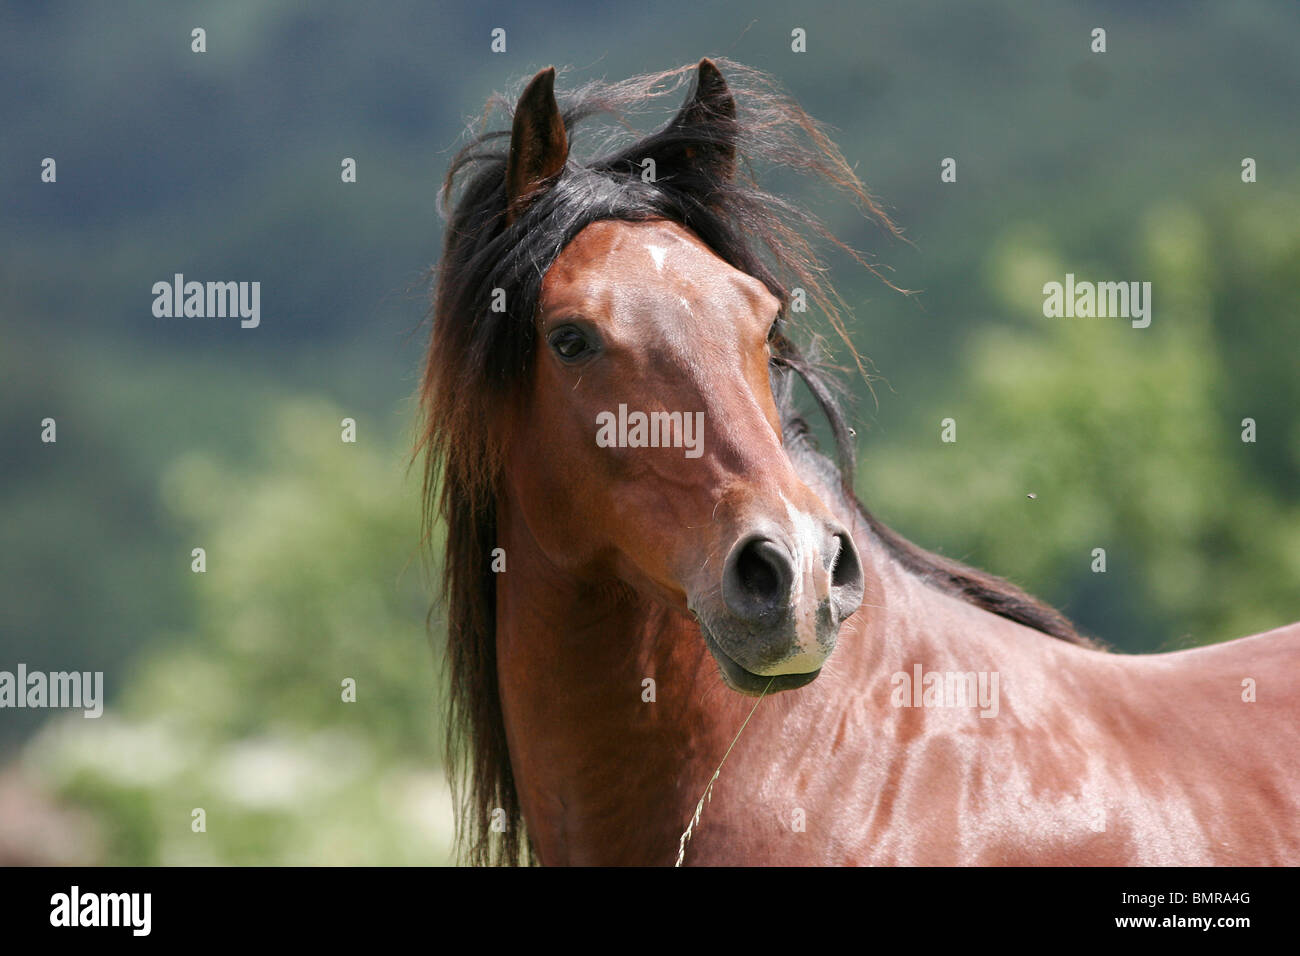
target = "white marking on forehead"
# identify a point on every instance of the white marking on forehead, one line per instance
(657, 253)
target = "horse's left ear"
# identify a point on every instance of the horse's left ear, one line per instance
(703, 133)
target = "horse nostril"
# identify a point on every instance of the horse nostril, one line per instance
(846, 575)
(846, 571)
(757, 578)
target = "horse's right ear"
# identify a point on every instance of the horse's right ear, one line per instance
(539, 147)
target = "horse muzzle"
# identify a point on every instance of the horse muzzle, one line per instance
(783, 596)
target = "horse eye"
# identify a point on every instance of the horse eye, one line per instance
(771, 332)
(569, 343)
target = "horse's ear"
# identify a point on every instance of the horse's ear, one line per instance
(539, 147)
(707, 124)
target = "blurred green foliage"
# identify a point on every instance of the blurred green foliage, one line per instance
(310, 579)
(1129, 440)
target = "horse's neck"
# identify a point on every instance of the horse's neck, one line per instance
(616, 715)
(609, 772)
(612, 708)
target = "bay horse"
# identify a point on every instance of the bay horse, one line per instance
(614, 607)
